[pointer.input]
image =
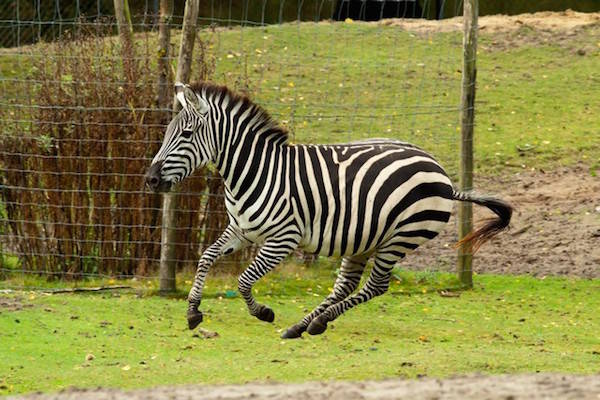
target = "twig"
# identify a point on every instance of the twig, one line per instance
(448, 293)
(521, 230)
(525, 148)
(86, 289)
(443, 319)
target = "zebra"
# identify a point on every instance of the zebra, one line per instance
(374, 199)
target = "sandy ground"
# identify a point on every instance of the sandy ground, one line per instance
(554, 21)
(555, 228)
(505, 387)
(508, 32)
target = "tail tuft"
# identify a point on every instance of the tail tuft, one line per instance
(493, 226)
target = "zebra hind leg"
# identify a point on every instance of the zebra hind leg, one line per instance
(346, 283)
(376, 285)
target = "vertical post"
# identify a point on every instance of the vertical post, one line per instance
(184, 62)
(467, 117)
(123, 21)
(164, 42)
(126, 35)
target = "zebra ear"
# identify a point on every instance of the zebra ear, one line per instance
(188, 99)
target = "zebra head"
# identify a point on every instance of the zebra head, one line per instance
(183, 148)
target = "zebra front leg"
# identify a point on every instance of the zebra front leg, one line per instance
(376, 285)
(271, 254)
(346, 283)
(227, 243)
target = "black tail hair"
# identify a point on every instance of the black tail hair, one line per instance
(493, 226)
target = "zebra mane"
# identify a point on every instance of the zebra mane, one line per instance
(210, 91)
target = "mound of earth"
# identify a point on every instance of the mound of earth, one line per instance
(564, 21)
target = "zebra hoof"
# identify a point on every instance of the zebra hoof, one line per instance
(265, 314)
(317, 326)
(293, 332)
(194, 318)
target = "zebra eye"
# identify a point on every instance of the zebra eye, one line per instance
(187, 134)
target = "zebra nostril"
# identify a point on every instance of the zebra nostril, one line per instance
(153, 176)
(152, 181)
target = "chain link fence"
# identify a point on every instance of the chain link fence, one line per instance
(80, 121)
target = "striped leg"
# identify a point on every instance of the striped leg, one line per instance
(271, 254)
(376, 285)
(346, 283)
(227, 243)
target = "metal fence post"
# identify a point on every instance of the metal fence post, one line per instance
(184, 62)
(467, 116)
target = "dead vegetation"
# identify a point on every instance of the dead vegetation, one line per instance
(76, 142)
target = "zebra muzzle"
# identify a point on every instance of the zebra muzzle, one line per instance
(154, 180)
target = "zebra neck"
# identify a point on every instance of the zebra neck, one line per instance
(250, 162)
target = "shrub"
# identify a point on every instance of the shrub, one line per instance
(77, 138)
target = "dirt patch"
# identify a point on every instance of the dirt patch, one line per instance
(501, 32)
(539, 386)
(547, 20)
(555, 227)
(9, 304)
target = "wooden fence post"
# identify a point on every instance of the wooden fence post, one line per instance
(184, 63)
(164, 46)
(467, 117)
(126, 34)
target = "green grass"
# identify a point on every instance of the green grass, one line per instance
(504, 325)
(328, 83)
(536, 102)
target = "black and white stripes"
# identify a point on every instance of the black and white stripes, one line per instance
(376, 199)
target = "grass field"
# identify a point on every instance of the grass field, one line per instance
(504, 325)
(537, 107)
(536, 100)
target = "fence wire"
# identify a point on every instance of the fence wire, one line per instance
(80, 122)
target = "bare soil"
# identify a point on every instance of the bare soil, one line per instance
(530, 387)
(9, 304)
(555, 228)
(564, 21)
(501, 32)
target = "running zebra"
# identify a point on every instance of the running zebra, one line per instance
(376, 199)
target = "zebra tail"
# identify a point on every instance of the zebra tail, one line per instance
(493, 226)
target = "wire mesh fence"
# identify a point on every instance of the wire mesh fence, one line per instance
(80, 120)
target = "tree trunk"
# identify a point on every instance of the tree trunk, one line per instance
(167, 253)
(125, 33)
(164, 44)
